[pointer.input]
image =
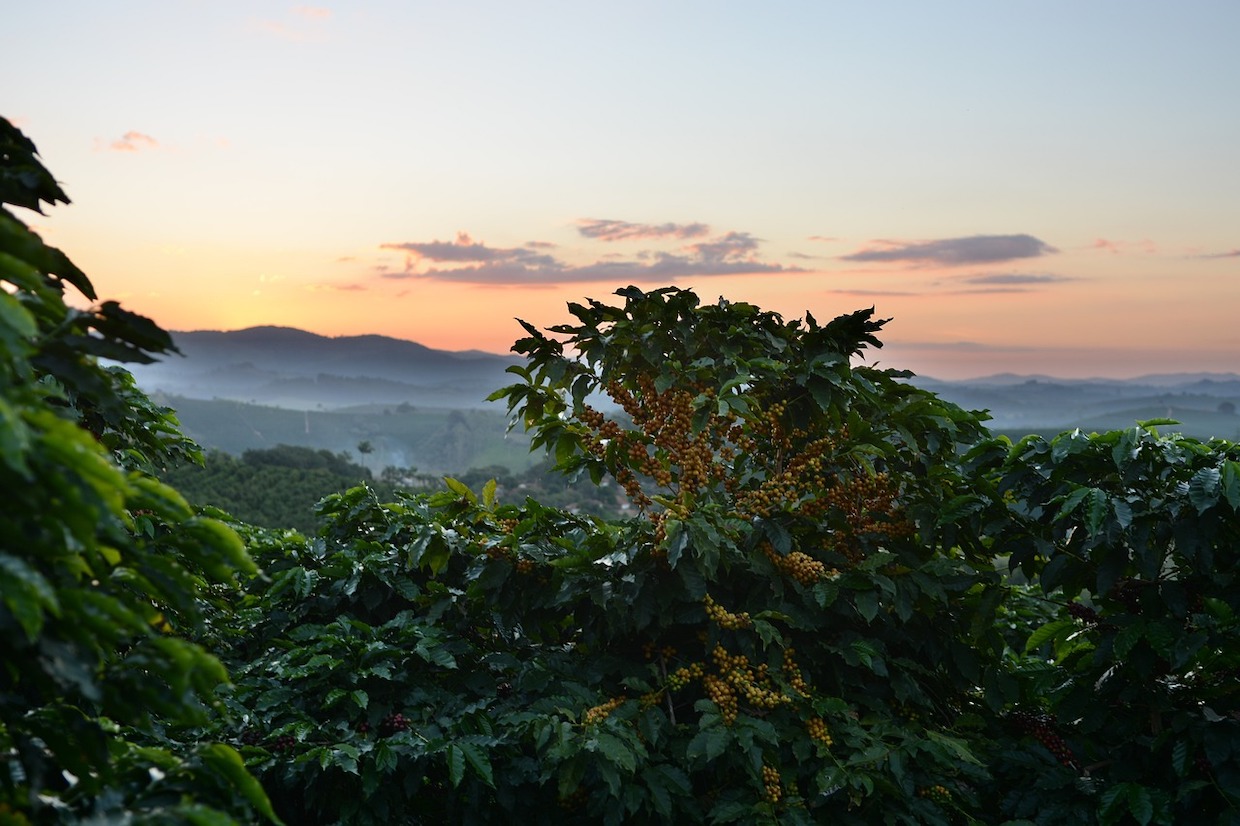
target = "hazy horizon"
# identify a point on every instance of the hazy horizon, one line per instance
(963, 379)
(1044, 188)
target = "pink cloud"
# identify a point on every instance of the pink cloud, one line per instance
(313, 12)
(468, 261)
(306, 27)
(133, 142)
(1124, 247)
(336, 288)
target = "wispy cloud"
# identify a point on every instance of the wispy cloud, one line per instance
(865, 293)
(1016, 278)
(468, 261)
(131, 142)
(1124, 247)
(305, 25)
(1232, 254)
(336, 288)
(312, 12)
(465, 250)
(602, 229)
(956, 252)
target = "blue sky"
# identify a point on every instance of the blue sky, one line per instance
(1044, 187)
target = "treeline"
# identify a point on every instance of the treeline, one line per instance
(279, 487)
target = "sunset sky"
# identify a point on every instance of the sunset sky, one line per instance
(1030, 187)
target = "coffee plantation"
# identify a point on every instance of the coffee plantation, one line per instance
(838, 599)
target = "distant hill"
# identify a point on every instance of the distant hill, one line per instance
(1204, 404)
(251, 389)
(286, 367)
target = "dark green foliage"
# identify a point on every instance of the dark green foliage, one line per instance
(1133, 538)
(103, 569)
(758, 648)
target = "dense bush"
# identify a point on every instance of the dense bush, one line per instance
(1130, 686)
(792, 629)
(103, 570)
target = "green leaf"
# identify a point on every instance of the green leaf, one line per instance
(17, 325)
(614, 749)
(1139, 803)
(225, 761)
(14, 440)
(460, 489)
(1096, 509)
(1128, 637)
(27, 594)
(708, 744)
(1230, 479)
(385, 758)
(478, 761)
(456, 764)
(1071, 502)
(1050, 632)
(867, 605)
(1203, 488)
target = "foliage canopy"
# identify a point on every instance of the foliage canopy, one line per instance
(104, 571)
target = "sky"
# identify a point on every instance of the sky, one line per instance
(1029, 187)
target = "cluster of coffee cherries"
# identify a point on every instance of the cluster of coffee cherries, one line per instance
(796, 481)
(392, 724)
(665, 652)
(772, 786)
(285, 742)
(792, 672)
(868, 505)
(1084, 613)
(1040, 727)
(724, 618)
(938, 793)
(817, 728)
(735, 679)
(499, 551)
(601, 712)
(798, 565)
(721, 693)
(684, 675)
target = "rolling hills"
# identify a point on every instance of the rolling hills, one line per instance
(414, 406)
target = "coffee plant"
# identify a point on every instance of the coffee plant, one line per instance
(104, 572)
(1128, 685)
(790, 628)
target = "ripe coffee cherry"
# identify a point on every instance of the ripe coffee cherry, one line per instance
(1084, 613)
(284, 742)
(1040, 727)
(393, 723)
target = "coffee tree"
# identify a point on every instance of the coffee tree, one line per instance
(791, 627)
(1126, 706)
(103, 570)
